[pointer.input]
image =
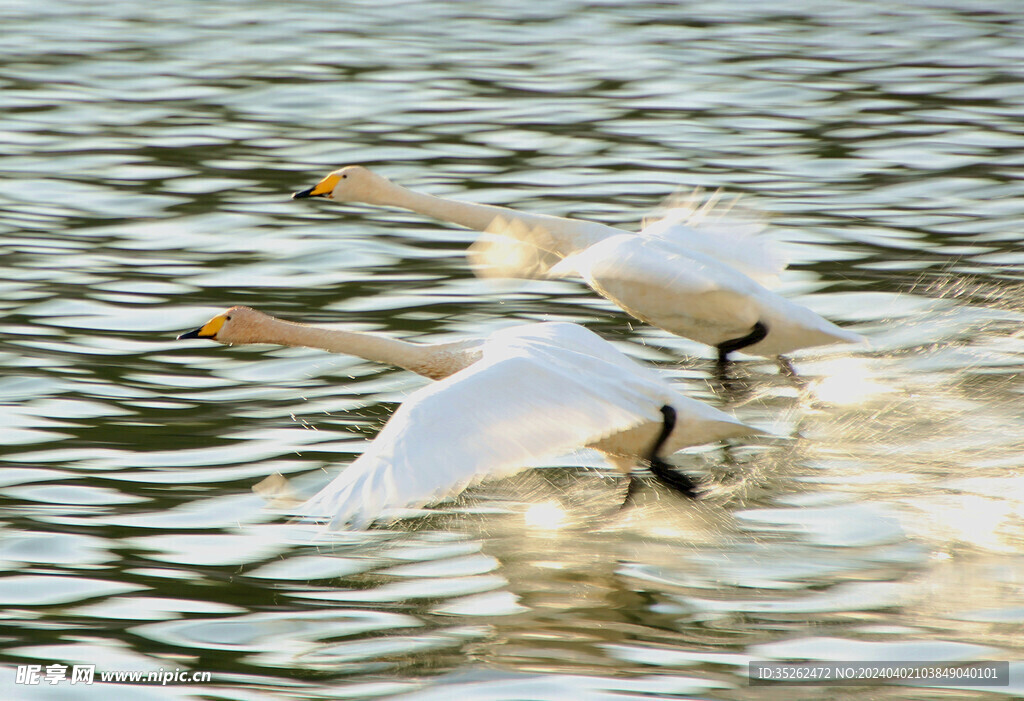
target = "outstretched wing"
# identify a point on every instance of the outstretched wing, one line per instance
(539, 390)
(729, 234)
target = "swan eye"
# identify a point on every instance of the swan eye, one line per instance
(344, 175)
(227, 318)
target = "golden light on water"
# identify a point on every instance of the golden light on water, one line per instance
(548, 516)
(979, 521)
(847, 381)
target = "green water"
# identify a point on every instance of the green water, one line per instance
(149, 151)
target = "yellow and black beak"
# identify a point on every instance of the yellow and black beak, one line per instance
(324, 188)
(308, 192)
(198, 333)
(207, 330)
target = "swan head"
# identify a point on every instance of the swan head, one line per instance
(348, 184)
(235, 325)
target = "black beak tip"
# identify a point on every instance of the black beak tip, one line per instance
(189, 334)
(304, 194)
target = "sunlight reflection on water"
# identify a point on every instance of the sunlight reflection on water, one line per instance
(847, 381)
(547, 516)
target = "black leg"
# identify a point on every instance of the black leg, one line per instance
(675, 479)
(631, 492)
(787, 367)
(756, 335)
(664, 472)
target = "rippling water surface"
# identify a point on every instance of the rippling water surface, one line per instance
(149, 152)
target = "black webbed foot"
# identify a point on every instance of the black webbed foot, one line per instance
(664, 472)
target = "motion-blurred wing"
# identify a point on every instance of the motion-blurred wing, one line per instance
(510, 249)
(533, 394)
(730, 235)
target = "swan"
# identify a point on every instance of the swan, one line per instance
(520, 394)
(694, 272)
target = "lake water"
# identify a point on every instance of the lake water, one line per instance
(149, 153)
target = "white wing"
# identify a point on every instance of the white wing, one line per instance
(539, 390)
(731, 236)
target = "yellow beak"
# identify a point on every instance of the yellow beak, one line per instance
(322, 189)
(207, 330)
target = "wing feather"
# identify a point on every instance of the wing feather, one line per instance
(535, 393)
(732, 235)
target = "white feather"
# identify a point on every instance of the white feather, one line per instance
(716, 260)
(696, 296)
(732, 235)
(539, 390)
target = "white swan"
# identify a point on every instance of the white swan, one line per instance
(687, 273)
(518, 395)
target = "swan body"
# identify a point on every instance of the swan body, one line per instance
(696, 296)
(694, 272)
(502, 402)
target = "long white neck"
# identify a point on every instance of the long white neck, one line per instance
(556, 234)
(434, 361)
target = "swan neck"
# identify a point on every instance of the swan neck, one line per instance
(418, 358)
(465, 214)
(555, 234)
